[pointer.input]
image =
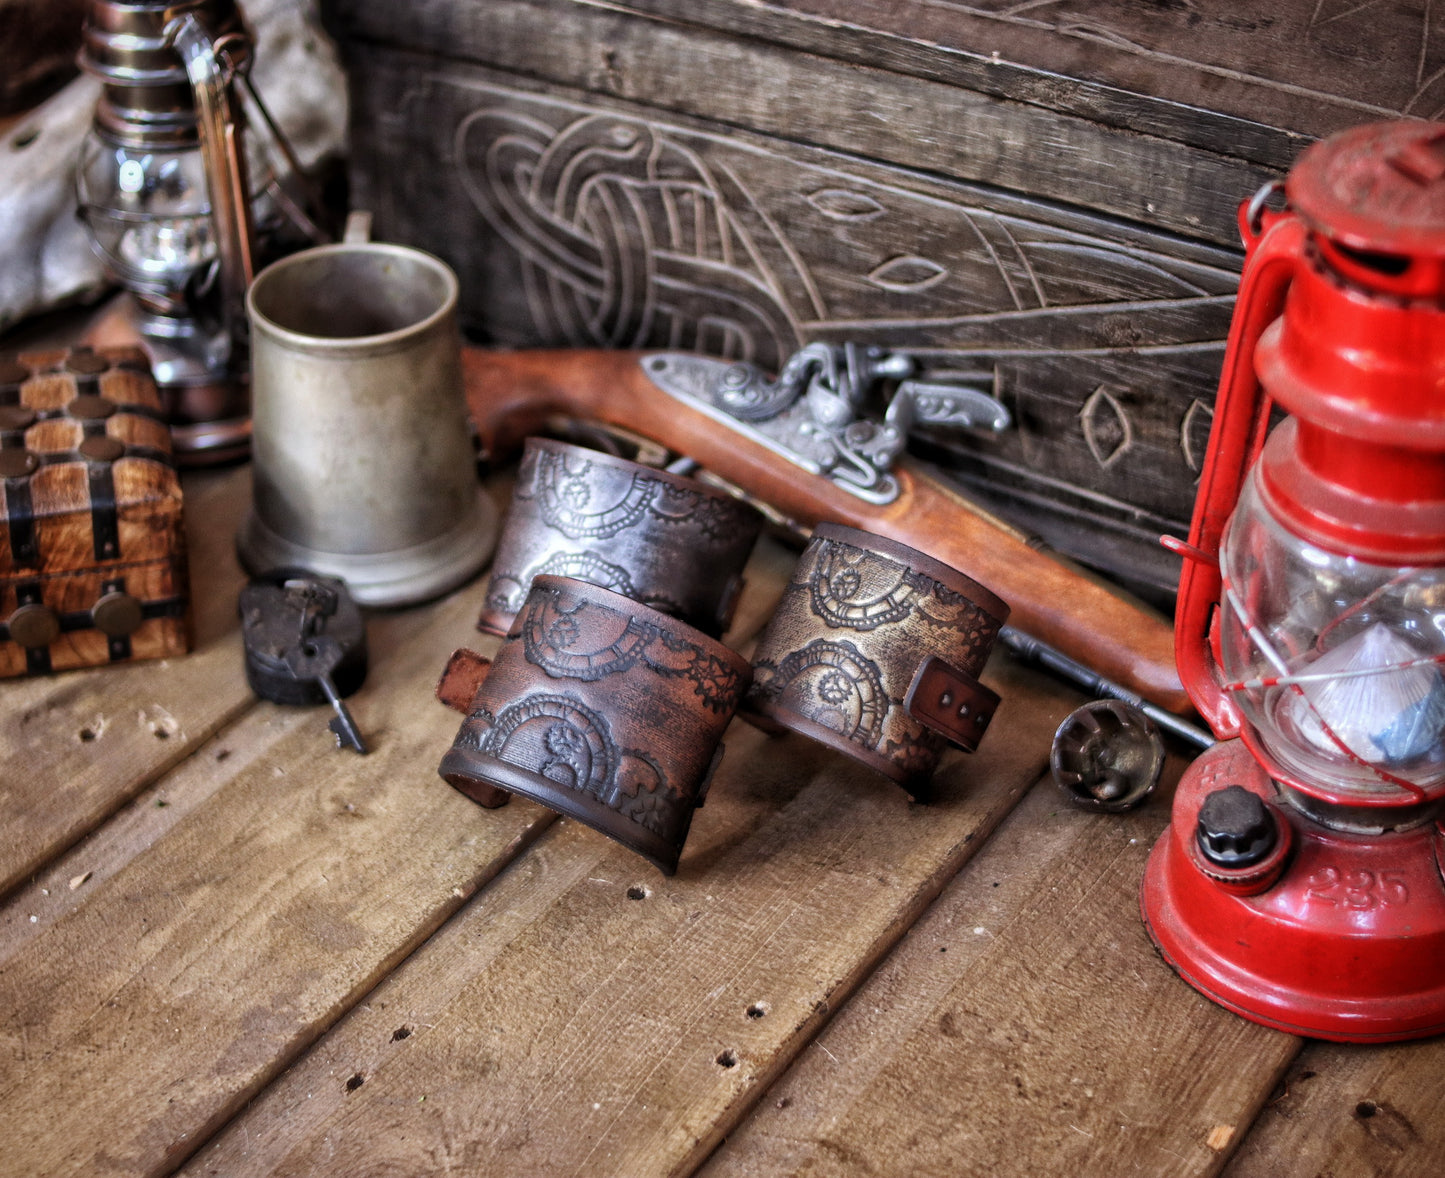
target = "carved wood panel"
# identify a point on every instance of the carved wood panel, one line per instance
(578, 221)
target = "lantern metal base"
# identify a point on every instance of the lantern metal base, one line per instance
(207, 402)
(1346, 943)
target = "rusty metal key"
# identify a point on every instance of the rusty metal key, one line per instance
(312, 659)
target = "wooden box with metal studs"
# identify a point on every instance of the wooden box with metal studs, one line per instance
(92, 551)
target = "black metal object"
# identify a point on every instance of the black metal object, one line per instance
(1035, 650)
(305, 644)
(1235, 828)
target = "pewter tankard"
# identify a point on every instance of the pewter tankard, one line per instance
(363, 463)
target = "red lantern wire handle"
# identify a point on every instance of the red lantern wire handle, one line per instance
(1274, 246)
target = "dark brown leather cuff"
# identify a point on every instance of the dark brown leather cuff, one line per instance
(603, 710)
(673, 543)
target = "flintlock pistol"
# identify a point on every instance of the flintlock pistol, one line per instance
(800, 445)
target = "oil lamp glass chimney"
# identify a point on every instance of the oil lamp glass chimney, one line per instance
(1334, 661)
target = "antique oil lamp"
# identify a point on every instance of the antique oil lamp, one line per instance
(1300, 883)
(176, 196)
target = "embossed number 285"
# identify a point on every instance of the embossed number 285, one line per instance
(1358, 889)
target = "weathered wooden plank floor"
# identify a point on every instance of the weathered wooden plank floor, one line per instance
(227, 948)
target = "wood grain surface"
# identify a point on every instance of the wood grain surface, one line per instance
(634, 1019)
(1351, 1112)
(276, 957)
(1029, 996)
(864, 110)
(1246, 81)
(226, 946)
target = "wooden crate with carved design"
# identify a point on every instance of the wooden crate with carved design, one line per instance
(92, 552)
(1041, 197)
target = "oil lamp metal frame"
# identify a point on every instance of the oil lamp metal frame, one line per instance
(174, 76)
(1300, 882)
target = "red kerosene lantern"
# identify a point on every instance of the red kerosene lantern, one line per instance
(1300, 882)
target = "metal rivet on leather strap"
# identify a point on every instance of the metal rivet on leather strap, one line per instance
(90, 407)
(102, 448)
(16, 417)
(18, 464)
(86, 363)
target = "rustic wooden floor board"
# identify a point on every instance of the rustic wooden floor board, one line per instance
(279, 958)
(1352, 1112)
(612, 1034)
(104, 737)
(64, 883)
(314, 1095)
(1024, 1027)
(67, 882)
(141, 1021)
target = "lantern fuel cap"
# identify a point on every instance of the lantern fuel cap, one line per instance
(1375, 198)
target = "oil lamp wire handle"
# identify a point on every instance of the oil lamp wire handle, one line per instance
(1258, 637)
(294, 209)
(1331, 676)
(224, 162)
(1254, 211)
(1284, 678)
(1251, 627)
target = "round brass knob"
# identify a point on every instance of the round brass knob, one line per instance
(16, 463)
(34, 626)
(117, 615)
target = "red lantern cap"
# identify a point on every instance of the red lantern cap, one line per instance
(1376, 194)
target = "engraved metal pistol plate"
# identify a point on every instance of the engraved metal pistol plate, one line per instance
(814, 413)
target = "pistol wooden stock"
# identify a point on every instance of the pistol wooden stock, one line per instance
(510, 394)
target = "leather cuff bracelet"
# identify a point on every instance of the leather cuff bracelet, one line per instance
(672, 543)
(603, 710)
(875, 650)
